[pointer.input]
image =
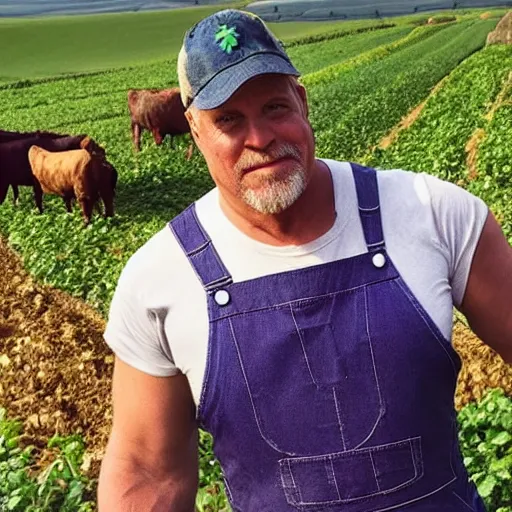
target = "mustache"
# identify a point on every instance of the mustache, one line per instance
(250, 159)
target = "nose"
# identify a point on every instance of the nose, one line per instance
(260, 135)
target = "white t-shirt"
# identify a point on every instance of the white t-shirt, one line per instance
(158, 320)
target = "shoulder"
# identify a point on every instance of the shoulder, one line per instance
(161, 257)
(426, 191)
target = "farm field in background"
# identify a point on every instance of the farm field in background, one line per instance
(363, 78)
(44, 47)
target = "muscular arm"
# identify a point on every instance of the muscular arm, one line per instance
(150, 464)
(487, 301)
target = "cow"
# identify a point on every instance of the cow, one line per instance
(15, 168)
(6, 136)
(74, 174)
(159, 111)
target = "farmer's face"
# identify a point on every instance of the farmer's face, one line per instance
(259, 145)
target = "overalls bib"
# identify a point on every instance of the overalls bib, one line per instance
(329, 388)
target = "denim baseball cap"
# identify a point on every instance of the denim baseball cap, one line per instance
(222, 52)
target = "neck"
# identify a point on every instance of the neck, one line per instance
(312, 215)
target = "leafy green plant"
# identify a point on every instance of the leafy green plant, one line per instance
(485, 435)
(57, 487)
(211, 495)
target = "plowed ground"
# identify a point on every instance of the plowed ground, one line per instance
(55, 368)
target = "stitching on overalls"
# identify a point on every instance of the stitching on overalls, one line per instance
(339, 419)
(375, 471)
(382, 408)
(373, 209)
(464, 501)
(425, 319)
(393, 507)
(206, 379)
(302, 345)
(294, 301)
(199, 249)
(297, 489)
(334, 478)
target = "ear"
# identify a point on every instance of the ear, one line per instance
(84, 143)
(301, 91)
(189, 114)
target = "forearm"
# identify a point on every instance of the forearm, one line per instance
(125, 488)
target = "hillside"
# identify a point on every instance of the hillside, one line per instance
(285, 10)
(270, 10)
(12, 8)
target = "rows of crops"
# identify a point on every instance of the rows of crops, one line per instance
(436, 143)
(354, 109)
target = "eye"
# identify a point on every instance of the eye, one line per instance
(225, 119)
(276, 107)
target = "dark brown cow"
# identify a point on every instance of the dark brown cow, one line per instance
(15, 168)
(6, 136)
(75, 174)
(158, 110)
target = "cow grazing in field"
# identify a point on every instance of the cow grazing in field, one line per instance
(158, 110)
(6, 136)
(15, 168)
(74, 174)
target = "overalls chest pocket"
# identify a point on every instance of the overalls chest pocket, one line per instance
(310, 373)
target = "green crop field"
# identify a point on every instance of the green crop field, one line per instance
(362, 77)
(44, 47)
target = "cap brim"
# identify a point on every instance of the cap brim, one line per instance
(222, 86)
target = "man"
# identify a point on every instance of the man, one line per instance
(301, 312)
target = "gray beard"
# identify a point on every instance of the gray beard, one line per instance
(277, 195)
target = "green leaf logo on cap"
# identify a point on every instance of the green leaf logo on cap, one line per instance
(227, 37)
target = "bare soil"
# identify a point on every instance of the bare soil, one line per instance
(56, 370)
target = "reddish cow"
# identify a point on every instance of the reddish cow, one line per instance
(158, 110)
(74, 174)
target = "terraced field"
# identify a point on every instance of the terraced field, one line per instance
(361, 86)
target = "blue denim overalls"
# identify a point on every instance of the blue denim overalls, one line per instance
(329, 388)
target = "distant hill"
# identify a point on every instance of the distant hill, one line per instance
(270, 10)
(16, 8)
(316, 10)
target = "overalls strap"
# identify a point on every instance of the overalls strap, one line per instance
(369, 206)
(200, 251)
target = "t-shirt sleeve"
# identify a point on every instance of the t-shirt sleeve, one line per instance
(459, 217)
(134, 332)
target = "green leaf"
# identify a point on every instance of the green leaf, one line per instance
(14, 502)
(487, 486)
(501, 439)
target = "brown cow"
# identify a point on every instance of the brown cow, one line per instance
(74, 174)
(160, 111)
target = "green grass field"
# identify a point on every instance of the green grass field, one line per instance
(77, 44)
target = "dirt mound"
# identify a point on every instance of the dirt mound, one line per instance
(482, 368)
(503, 31)
(437, 20)
(56, 369)
(485, 15)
